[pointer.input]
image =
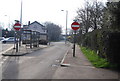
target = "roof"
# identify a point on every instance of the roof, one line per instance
(43, 29)
(37, 23)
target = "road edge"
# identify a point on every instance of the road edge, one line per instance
(63, 59)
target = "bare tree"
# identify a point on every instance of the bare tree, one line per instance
(90, 16)
(54, 31)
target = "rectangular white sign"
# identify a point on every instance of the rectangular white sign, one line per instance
(75, 26)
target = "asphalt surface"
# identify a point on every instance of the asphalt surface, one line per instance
(6, 46)
(40, 64)
(46, 64)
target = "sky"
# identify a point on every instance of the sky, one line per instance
(39, 10)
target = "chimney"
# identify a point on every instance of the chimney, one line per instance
(28, 22)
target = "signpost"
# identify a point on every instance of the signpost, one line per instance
(75, 26)
(17, 27)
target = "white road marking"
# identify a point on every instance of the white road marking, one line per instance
(7, 50)
(5, 58)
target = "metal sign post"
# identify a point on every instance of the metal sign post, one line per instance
(16, 41)
(17, 27)
(75, 26)
(74, 43)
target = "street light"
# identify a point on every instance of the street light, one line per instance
(8, 21)
(66, 25)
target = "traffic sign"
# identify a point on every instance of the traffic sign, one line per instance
(75, 25)
(17, 26)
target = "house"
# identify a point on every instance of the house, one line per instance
(36, 26)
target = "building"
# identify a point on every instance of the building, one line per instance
(36, 26)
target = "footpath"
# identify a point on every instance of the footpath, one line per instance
(79, 67)
(22, 50)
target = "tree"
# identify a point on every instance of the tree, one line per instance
(90, 16)
(7, 33)
(54, 31)
(83, 17)
(112, 16)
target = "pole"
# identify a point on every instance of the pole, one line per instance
(21, 24)
(74, 43)
(16, 41)
(21, 14)
(31, 41)
(66, 26)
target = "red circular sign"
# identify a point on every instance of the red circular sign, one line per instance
(17, 26)
(75, 25)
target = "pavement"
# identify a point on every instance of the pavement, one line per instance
(23, 49)
(79, 67)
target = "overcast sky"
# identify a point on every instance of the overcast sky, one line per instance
(40, 10)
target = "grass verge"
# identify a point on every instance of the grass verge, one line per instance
(95, 59)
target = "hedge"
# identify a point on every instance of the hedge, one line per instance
(104, 42)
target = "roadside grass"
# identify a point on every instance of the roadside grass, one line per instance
(95, 59)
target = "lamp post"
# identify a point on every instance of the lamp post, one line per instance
(8, 21)
(21, 24)
(66, 25)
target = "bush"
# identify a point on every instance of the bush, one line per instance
(104, 42)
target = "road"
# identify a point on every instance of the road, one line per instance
(6, 46)
(40, 64)
(3, 49)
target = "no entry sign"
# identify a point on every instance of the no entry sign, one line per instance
(17, 26)
(75, 25)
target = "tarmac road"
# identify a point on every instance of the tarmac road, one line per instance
(40, 64)
(3, 49)
(6, 46)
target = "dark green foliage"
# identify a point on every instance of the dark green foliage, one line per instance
(112, 15)
(7, 33)
(105, 43)
(105, 39)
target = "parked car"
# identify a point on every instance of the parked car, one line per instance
(9, 40)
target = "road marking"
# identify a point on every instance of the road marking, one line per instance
(7, 50)
(4, 59)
